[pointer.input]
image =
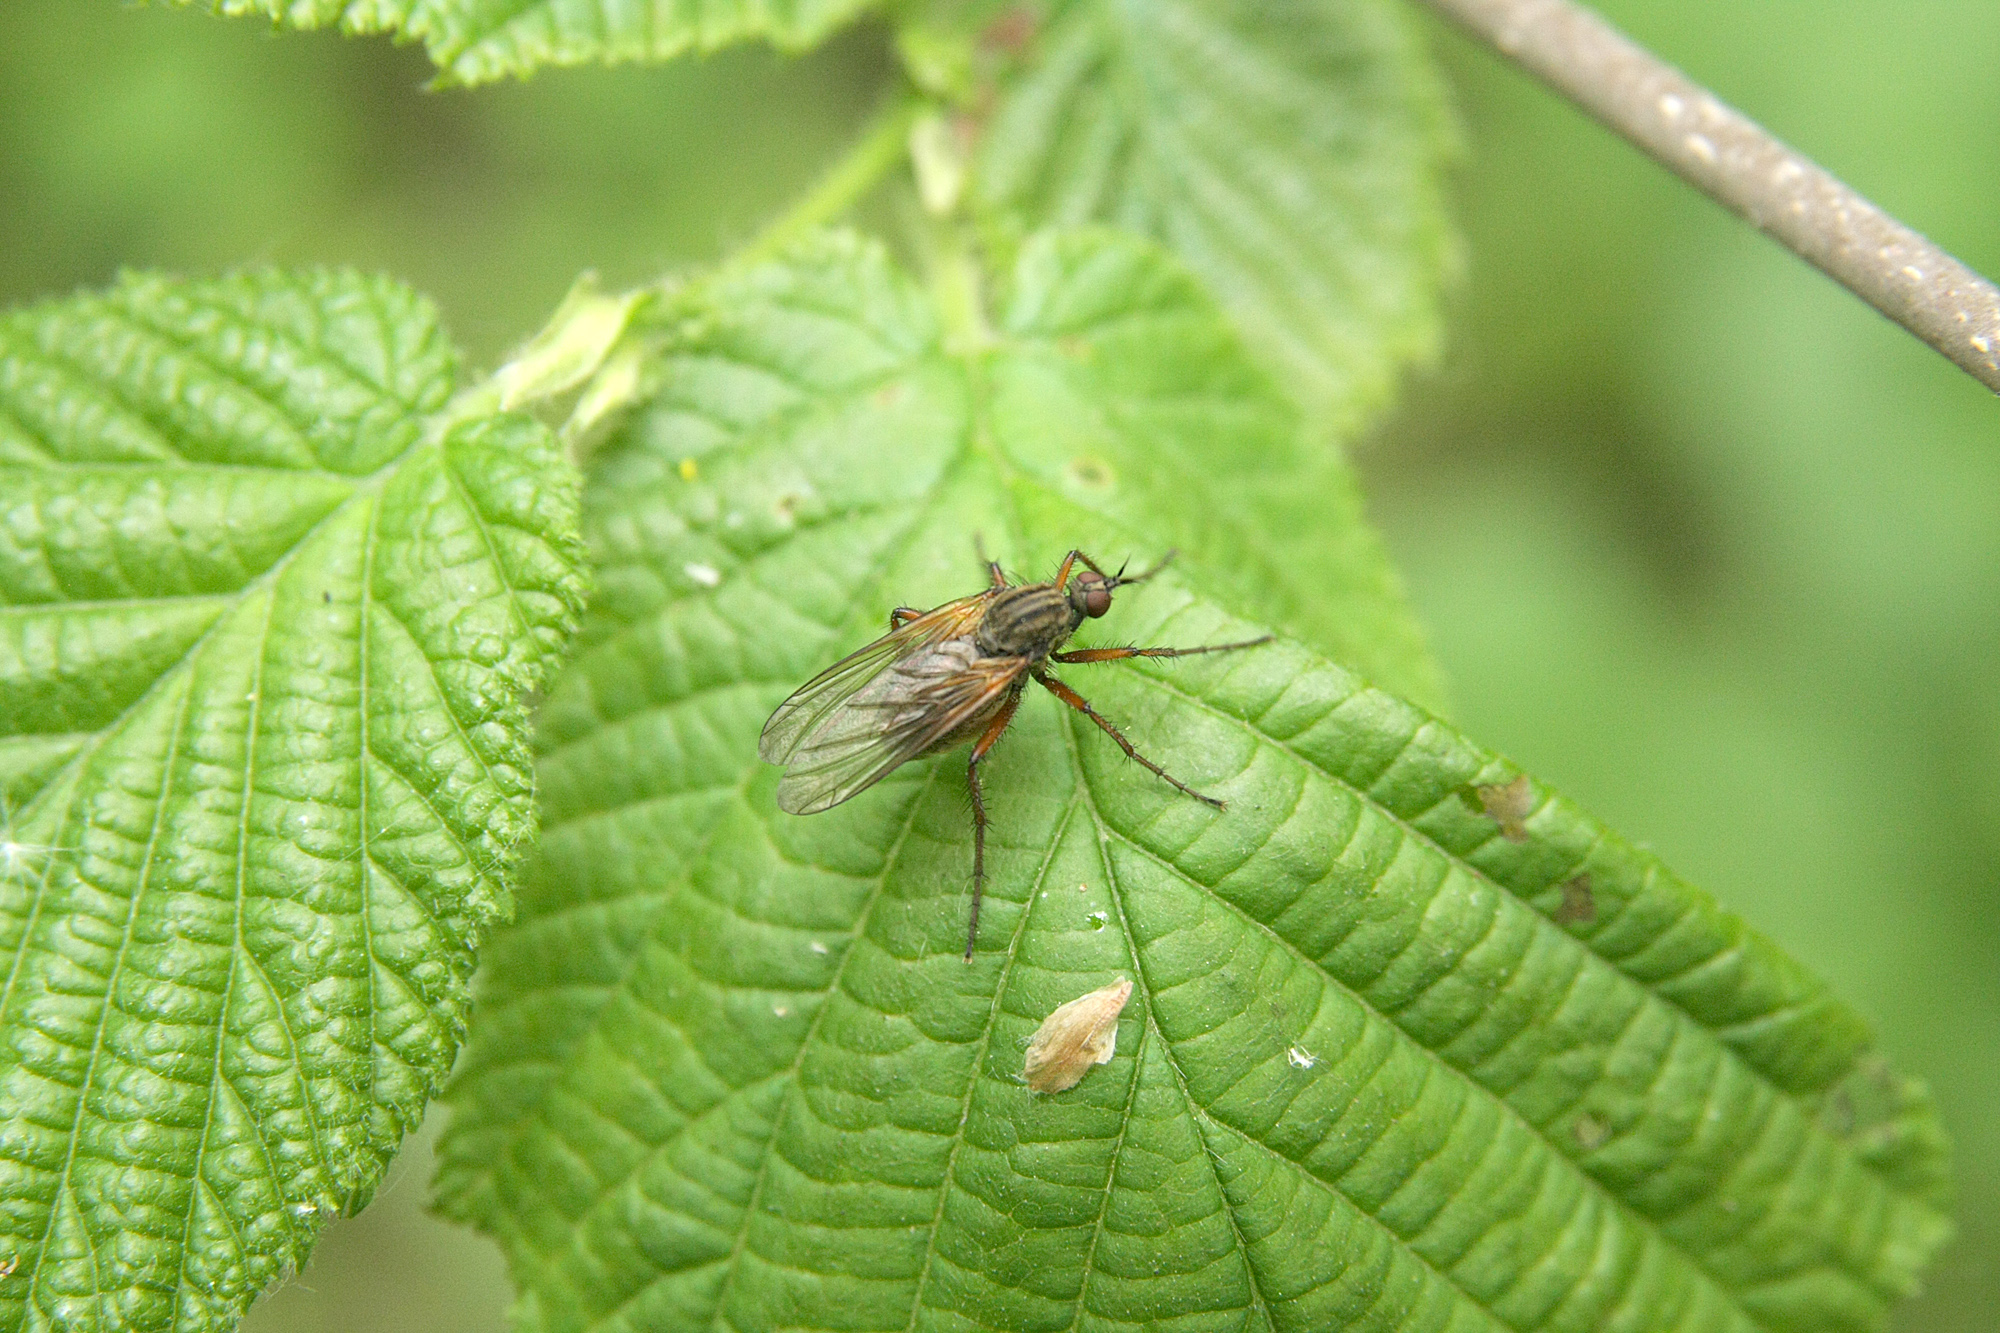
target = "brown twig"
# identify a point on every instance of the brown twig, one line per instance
(1745, 169)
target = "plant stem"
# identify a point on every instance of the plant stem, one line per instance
(884, 141)
(1745, 169)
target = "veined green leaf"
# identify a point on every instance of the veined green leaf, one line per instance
(1290, 153)
(1378, 1069)
(262, 662)
(474, 41)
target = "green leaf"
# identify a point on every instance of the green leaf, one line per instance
(475, 41)
(265, 747)
(1290, 153)
(731, 1070)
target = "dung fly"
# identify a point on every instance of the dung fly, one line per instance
(942, 677)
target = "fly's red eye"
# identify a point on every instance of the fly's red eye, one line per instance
(1096, 601)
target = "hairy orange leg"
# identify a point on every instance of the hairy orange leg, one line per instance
(1082, 705)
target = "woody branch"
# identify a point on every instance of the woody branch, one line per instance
(1745, 169)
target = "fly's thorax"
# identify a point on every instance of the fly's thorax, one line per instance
(1030, 621)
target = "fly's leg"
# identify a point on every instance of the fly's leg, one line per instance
(1082, 705)
(902, 616)
(1120, 654)
(979, 748)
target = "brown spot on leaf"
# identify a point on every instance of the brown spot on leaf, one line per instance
(1076, 1036)
(1508, 804)
(1592, 1131)
(1579, 902)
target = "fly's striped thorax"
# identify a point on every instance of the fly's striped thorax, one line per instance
(1030, 621)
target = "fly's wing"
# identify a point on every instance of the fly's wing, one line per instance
(815, 702)
(902, 695)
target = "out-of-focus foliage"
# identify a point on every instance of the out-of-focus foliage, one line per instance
(474, 41)
(1286, 150)
(1699, 539)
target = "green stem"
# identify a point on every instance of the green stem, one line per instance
(957, 281)
(883, 143)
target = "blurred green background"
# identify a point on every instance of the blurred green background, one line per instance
(1698, 538)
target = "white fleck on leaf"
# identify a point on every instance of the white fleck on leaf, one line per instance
(1076, 1036)
(708, 576)
(1301, 1058)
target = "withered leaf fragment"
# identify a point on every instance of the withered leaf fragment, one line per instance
(1076, 1036)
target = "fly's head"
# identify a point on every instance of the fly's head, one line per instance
(1090, 594)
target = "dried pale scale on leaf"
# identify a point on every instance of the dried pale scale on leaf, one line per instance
(1076, 1036)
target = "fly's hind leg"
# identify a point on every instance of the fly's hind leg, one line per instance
(985, 742)
(1082, 705)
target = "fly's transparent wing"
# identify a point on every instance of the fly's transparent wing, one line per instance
(814, 703)
(903, 705)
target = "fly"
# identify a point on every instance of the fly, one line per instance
(943, 677)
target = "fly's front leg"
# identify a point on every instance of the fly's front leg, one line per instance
(902, 616)
(1120, 654)
(985, 742)
(1082, 705)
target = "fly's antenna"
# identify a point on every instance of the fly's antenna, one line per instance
(1158, 565)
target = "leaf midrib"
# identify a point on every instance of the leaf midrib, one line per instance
(984, 1047)
(734, 1264)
